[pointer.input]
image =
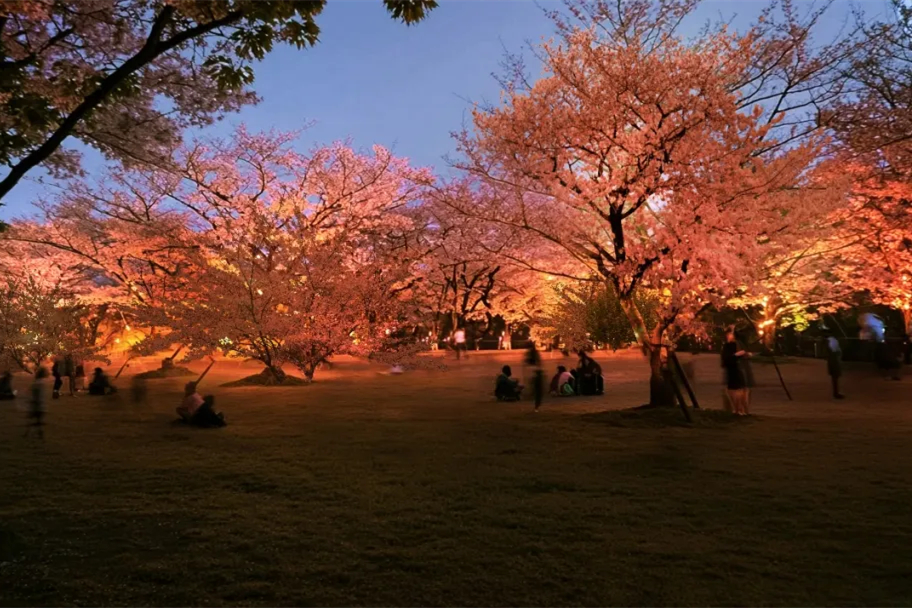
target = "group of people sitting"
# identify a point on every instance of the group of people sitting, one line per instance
(100, 385)
(586, 379)
(198, 410)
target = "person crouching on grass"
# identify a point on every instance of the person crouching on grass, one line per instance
(562, 383)
(736, 391)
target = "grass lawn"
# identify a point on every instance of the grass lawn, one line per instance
(369, 489)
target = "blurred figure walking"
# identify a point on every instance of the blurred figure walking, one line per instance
(138, 390)
(533, 360)
(37, 401)
(80, 378)
(6, 387)
(57, 371)
(459, 343)
(69, 370)
(834, 363)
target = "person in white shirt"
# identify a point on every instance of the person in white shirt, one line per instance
(459, 338)
(562, 384)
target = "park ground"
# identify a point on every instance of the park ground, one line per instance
(371, 489)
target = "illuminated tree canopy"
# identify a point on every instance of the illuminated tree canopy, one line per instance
(639, 181)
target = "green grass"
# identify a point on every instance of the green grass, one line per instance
(420, 489)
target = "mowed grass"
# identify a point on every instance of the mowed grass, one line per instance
(369, 489)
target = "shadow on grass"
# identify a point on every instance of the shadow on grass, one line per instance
(267, 380)
(166, 372)
(663, 417)
(11, 546)
(767, 360)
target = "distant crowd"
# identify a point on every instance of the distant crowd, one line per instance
(586, 378)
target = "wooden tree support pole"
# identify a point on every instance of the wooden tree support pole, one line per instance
(669, 378)
(781, 379)
(205, 371)
(693, 397)
(122, 367)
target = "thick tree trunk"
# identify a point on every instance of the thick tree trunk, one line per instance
(769, 337)
(660, 393)
(272, 374)
(907, 320)
(309, 371)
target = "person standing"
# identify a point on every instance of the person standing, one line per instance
(57, 372)
(6, 386)
(37, 403)
(736, 390)
(533, 360)
(834, 364)
(80, 377)
(69, 370)
(459, 340)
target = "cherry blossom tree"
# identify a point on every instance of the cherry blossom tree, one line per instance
(127, 76)
(795, 279)
(44, 312)
(465, 276)
(121, 233)
(875, 129)
(796, 287)
(650, 162)
(880, 223)
(301, 256)
(581, 314)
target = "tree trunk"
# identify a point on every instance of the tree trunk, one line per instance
(273, 374)
(309, 370)
(907, 319)
(168, 362)
(660, 393)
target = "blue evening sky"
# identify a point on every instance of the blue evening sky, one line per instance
(374, 80)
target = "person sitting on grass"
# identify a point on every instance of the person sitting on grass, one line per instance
(100, 384)
(562, 383)
(192, 402)
(507, 388)
(589, 375)
(554, 387)
(198, 410)
(6, 387)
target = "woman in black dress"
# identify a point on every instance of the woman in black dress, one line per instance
(736, 388)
